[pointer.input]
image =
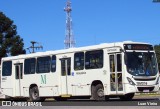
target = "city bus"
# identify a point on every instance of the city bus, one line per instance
(96, 72)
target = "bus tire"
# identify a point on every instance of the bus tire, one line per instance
(34, 94)
(98, 92)
(127, 97)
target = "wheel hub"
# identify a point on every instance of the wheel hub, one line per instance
(35, 94)
(100, 93)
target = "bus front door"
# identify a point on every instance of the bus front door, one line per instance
(65, 72)
(116, 85)
(18, 78)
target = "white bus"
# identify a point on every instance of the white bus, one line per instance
(101, 71)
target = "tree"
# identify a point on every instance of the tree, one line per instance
(10, 43)
(157, 50)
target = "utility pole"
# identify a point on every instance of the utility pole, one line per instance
(33, 47)
(69, 39)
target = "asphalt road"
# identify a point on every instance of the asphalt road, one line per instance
(145, 100)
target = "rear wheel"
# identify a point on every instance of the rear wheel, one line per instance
(34, 94)
(98, 92)
(127, 96)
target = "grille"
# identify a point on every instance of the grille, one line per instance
(145, 88)
(149, 79)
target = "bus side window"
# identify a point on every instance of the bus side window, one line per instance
(94, 59)
(29, 66)
(43, 64)
(79, 61)
(7, 68)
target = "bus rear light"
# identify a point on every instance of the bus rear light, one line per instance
(130, 81)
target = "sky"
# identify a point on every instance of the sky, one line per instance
(94, 21)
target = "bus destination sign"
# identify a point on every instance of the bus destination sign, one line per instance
(138, 47)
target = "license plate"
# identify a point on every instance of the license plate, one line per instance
(145, 90)
(141, 83)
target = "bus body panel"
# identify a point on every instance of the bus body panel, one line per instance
(66, 81)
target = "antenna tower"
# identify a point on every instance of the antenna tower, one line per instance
(69, 38)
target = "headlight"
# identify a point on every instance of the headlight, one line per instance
(130, 81)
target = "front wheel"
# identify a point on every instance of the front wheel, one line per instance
(98, 92)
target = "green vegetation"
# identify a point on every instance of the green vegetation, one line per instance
(10, 43)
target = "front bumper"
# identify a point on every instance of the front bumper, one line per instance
(141, 89)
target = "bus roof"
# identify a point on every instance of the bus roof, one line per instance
(70, 50)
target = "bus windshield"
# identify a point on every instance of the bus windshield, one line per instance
(141, 63)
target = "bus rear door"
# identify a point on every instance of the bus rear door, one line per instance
(65, 72)
(18, 69)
